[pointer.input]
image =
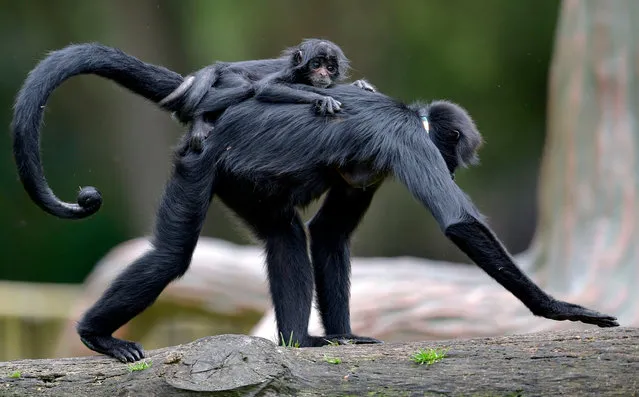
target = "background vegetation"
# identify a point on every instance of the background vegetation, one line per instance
(491, 56)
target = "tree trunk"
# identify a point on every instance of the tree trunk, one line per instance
(591, 363)
(587, 230)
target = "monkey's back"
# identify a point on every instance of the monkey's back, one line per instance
(286, 153)
(274, 139)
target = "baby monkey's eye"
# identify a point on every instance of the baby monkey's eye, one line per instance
(330, 68)
(315, 64)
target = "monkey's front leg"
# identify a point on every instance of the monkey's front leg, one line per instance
(330, 231)
(483, 247)
(461, 223)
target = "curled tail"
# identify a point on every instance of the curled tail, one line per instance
(150, 81)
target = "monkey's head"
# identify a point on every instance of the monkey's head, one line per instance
(453, 132)
(318, 62)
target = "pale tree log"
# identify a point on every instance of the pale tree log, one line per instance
(584, 249)
(588, 231)
(392, 298)
(566, 363)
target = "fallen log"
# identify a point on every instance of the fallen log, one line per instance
(394, 299)
(596, 362)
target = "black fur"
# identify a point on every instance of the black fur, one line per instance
(266, 161)
(153, 82)
(332, 67)
(458, 139)
(150, 81)
(269, 79)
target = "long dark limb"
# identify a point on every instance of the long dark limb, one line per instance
(426, 177)
(210, 106)
(363, 84)
(280, 93)
(482, 246)
(330, 231)
(290, 276)
(179, 220)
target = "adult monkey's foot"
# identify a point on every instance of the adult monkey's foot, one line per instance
(123, 350)
(342, 339)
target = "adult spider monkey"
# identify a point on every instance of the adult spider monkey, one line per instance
(185, 97)
(266, 161)
(313, 63)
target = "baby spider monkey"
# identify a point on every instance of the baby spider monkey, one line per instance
(314, 63)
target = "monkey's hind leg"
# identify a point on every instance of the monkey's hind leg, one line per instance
(182, 210)
(330, 232)
(290, 273)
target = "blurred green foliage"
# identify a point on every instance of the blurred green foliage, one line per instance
(491, 56)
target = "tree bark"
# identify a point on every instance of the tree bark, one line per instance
(588, 220)
(590, 363)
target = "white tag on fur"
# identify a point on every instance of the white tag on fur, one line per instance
(425, 124)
